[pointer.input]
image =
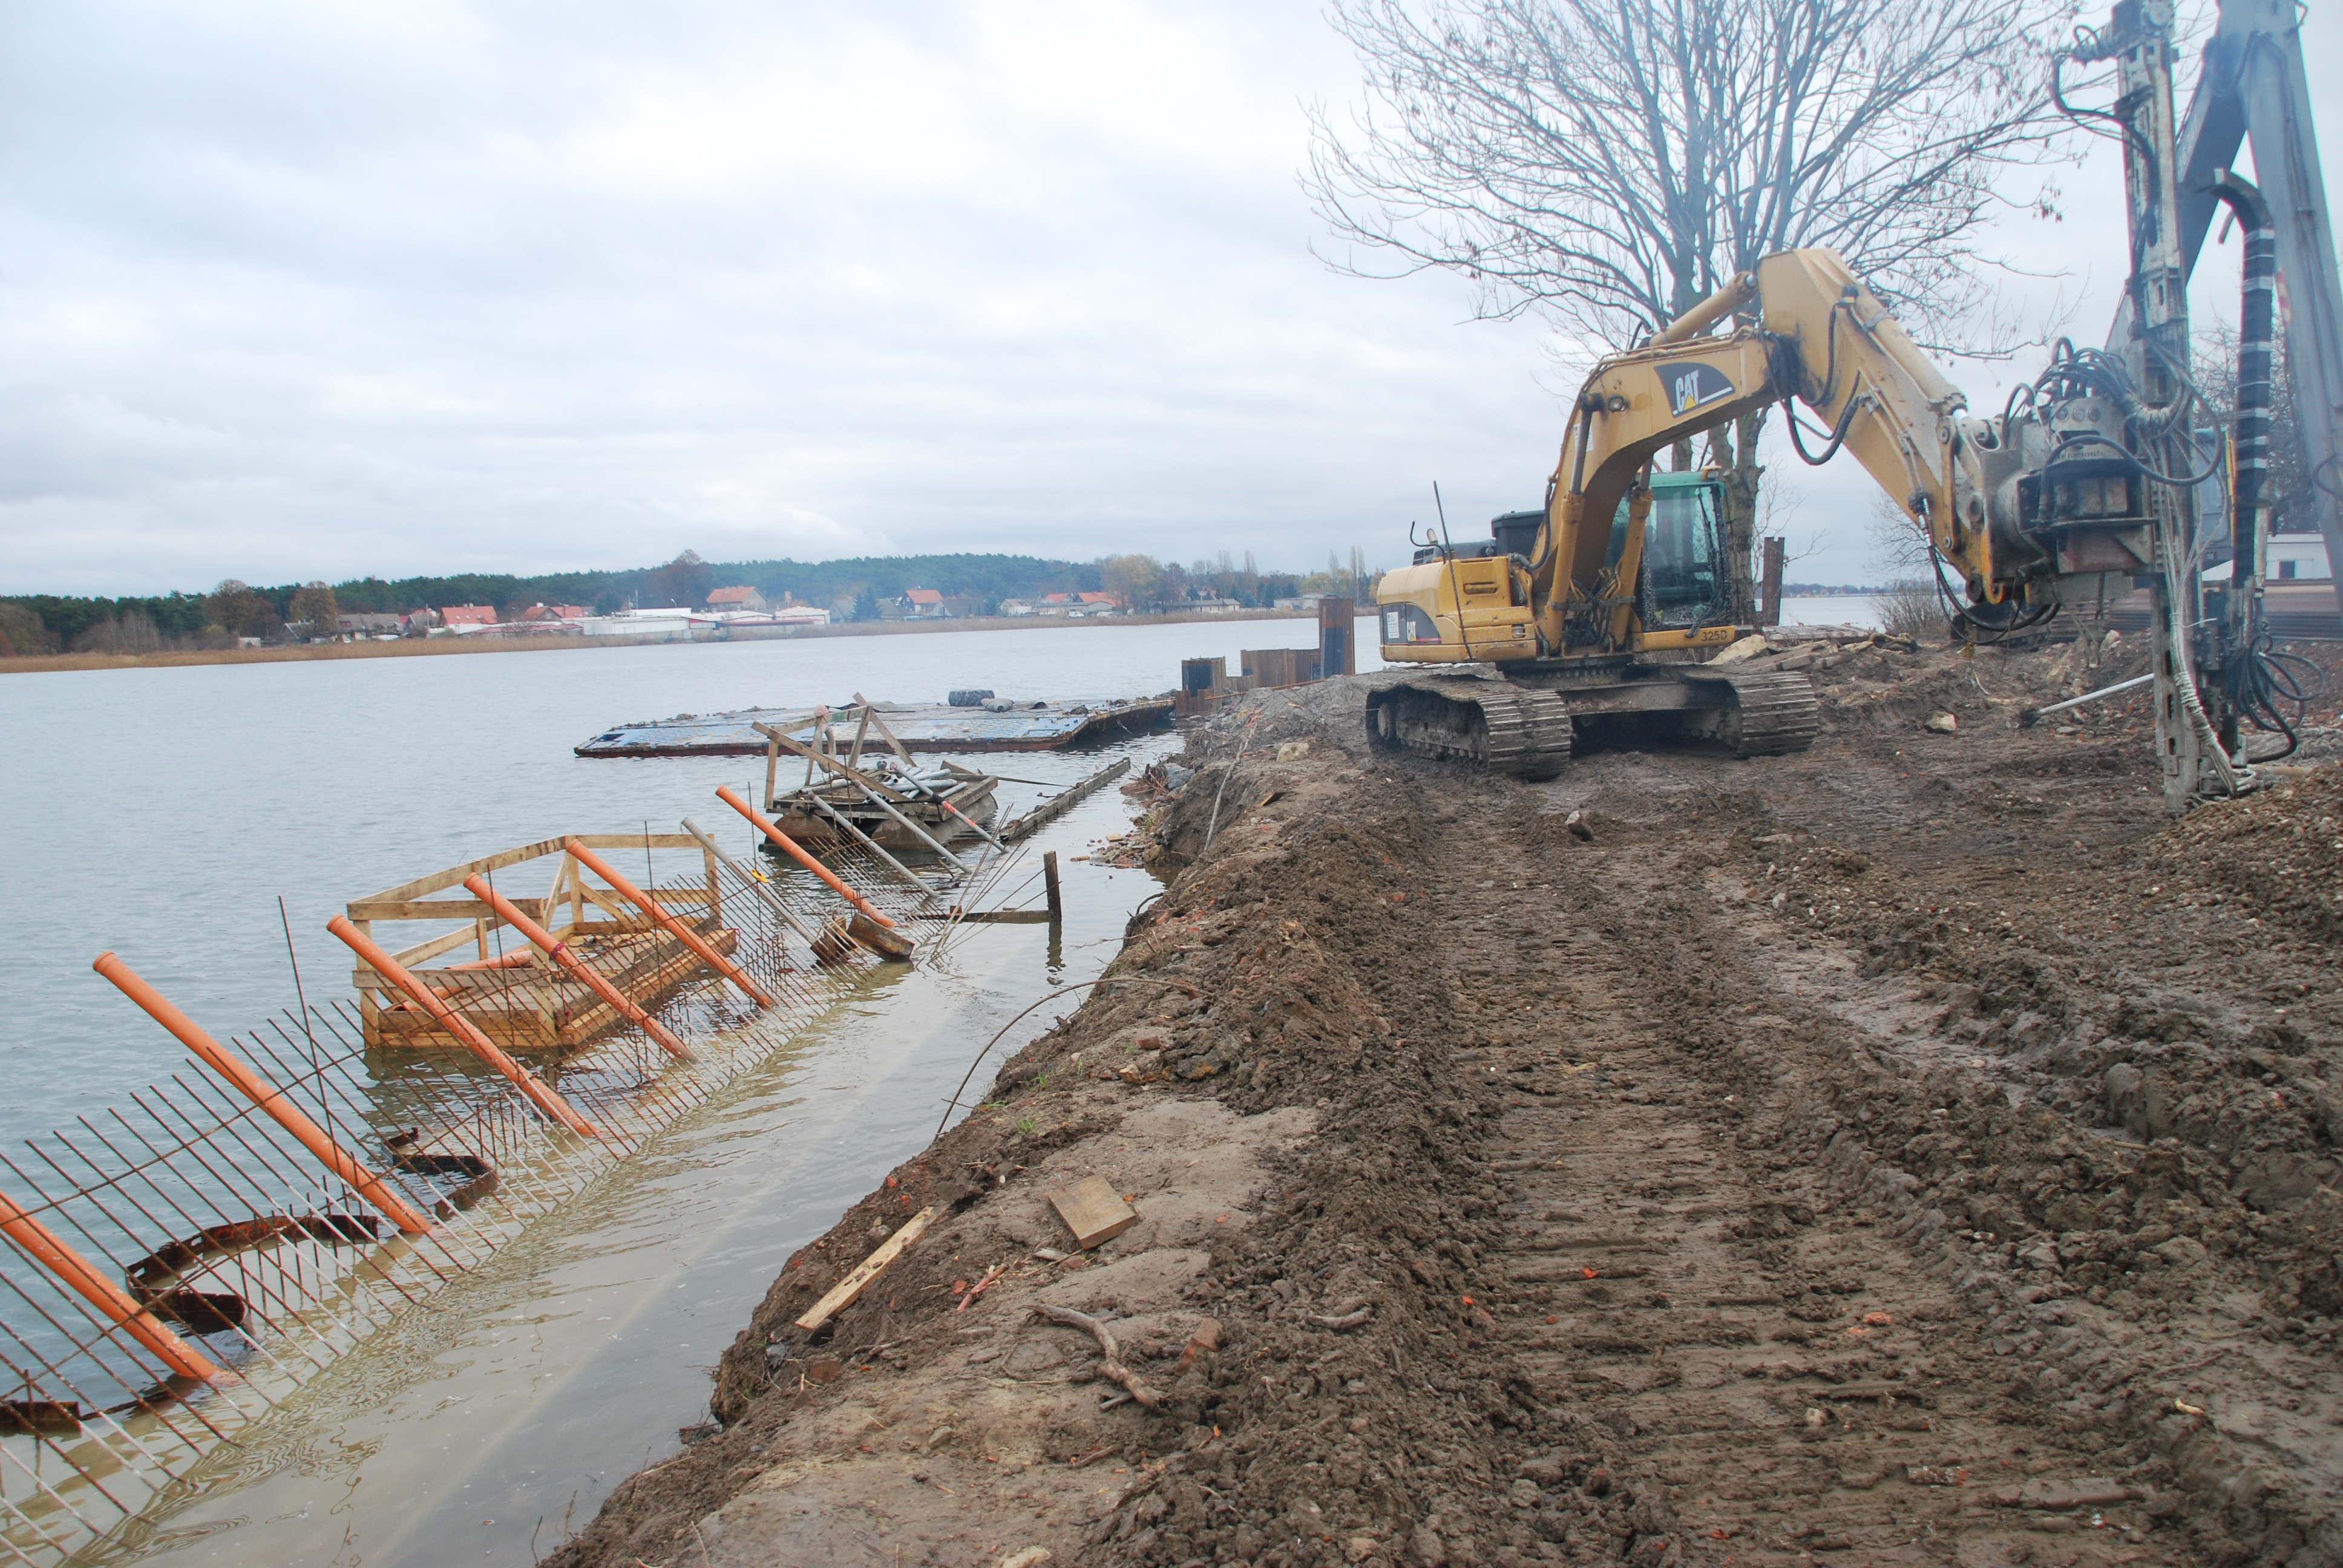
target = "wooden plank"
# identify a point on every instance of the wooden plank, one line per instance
(1093, 1211)
(832, 763)
(987, 916)
(1057, 806)
(843, 1294)
(440, 881)
(439, 910)
(889, 734)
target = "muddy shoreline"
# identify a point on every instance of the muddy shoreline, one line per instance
(1917, 1149)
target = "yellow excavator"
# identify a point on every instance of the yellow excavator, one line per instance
(1606, 610)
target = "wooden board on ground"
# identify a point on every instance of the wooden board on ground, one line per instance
(1093, 1211)
(843, 1294)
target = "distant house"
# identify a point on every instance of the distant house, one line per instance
(1300, 601)
(1015, 607)
(746, 598)
(551, 612)
(463, 618)
(366, 625)
(1079, 604)
(923, 603)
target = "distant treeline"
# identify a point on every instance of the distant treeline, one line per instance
(687, 579)
(51, 623)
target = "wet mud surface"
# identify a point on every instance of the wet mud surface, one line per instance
(1915, 1150)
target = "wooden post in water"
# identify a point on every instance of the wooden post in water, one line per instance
(1050, 883)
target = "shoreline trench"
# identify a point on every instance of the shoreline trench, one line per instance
(1905, 1149)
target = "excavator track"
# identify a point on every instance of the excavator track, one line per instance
(1771, 714)
(1524, 732)
(1510, 729)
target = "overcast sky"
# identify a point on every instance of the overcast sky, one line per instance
(293, 291)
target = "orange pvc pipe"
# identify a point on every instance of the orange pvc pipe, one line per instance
(666, 921)
(559, 953)
(85, 1282)
(462, 1028)
(791, 847)
(264, 1094)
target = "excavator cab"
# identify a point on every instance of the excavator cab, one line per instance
(1684, 579)
(1472, 601)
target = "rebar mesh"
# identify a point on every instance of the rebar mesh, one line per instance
(228, 1233)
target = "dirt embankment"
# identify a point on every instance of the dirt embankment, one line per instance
(1916, 1150)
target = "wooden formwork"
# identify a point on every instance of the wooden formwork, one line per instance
(521, 1000)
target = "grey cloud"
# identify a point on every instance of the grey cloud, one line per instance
(288, 291)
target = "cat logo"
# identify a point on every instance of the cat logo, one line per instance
(1691, 386)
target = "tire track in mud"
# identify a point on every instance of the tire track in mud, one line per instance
(1764, 1347)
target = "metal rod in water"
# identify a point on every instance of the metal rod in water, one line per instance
(870, 843)
(666, 921)
(540, 1094)
(796, 851)
(879, 798)
(762, 886)
(261, 1093)
(41, 1244)
(585, 973)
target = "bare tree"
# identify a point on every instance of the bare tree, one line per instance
(314, 608)
(1608, 164)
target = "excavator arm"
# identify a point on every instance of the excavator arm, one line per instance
(2054, 488)
(1821, 337)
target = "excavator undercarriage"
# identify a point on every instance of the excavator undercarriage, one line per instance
(1525, 722)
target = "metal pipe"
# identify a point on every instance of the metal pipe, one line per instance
(578, 967)
(868, 842)
(759, 882)
(791, 848)
(908, 826)
(667, 923)
(974, 826)
(41, 1244)
(264, 1094)
(540, 1094)
(882, 798)
(2028, 715)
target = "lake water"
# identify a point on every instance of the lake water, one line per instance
(162, 812)
(1831, 609)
